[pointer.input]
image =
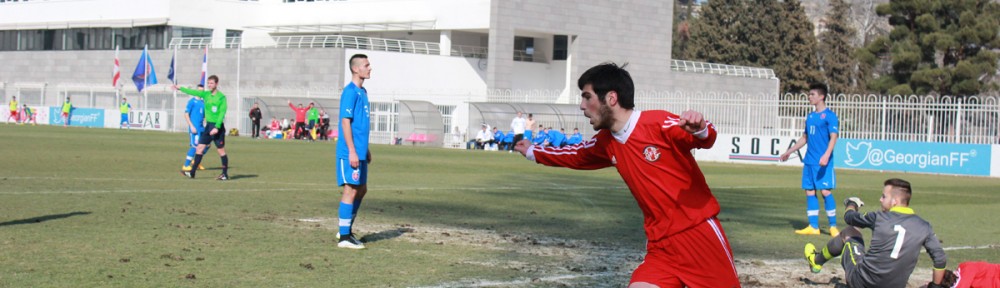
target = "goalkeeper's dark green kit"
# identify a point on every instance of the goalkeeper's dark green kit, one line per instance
(897, 238)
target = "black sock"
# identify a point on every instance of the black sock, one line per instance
(197, 161)
(225, 165)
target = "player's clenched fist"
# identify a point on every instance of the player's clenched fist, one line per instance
(522, 146)
(692, 121)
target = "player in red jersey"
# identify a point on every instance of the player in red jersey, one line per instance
(686, 245)
(971, 275)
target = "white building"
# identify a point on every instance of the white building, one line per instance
(447, 52)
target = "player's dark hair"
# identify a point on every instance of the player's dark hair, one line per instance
(354, 58)
(608, 77)
(819, 87)
(949, 279)
(901, 189)
(213, 77)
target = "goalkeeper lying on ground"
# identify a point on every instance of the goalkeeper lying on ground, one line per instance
(897, 236)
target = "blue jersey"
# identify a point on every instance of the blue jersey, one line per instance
(556, 138)
(196, 109)
(575, 139)
(354, 106)
(540, 138)
(819, 126)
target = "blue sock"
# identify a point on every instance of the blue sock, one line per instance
(812, 210)
(831, 209)
(190, 157)
(344, 212)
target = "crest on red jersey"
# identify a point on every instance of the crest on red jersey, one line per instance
(651, 153)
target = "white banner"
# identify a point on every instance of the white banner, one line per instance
(148, 119)
(751, 149)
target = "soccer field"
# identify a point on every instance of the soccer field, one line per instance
(102, 207)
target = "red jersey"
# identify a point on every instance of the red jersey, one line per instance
(300, 113)
(653, 155)
(977, 274)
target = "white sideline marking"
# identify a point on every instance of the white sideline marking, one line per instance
(325, 186)
(990, 246)
(147, 191)
(485, 283)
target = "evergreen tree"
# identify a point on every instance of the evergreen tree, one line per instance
(797, 66)
(715, 33)
(758, 33)
(836, 53)
(937, 46)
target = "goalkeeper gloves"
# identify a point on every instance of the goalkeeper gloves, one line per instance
(855, 201)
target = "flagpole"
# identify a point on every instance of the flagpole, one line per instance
(176, 74)
(239, 100)
(118, 96)
(145, 82)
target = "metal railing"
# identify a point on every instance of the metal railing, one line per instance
(201, 42)
(968, 120)
(353, 42)
(469, 51)
(721, 69)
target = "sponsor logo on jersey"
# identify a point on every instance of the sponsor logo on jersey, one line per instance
(651, 153)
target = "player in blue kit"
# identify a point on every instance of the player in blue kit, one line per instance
(195, 113)
(353, 155)
(822, 128)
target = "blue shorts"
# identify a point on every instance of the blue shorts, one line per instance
(124, 118)
(815, 177)
(194, 139)
(348, 175)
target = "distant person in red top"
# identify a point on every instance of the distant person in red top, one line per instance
(686, 245)
(300, 117)
(971, 275)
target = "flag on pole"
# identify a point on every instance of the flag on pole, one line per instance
(144, 73)
(117, 73)
(171, 74)
(204, 68)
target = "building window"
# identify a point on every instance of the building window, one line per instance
(191, 32)
(524, 49)
(560, 47)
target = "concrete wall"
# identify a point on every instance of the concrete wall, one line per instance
(271, 68)
(633, 31)
(712, 84)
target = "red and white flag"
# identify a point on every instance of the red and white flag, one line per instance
(117, 74)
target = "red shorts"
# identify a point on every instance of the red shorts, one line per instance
(13, 113)
(64, 114)
(697, 257)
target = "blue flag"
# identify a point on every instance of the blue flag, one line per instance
(144, 73)
(171, 74)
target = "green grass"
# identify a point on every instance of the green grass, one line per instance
(99, 207)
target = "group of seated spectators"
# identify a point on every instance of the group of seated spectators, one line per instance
(286, 129)
(548, 137)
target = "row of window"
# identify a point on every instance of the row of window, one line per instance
(83, 39)
(157, 37)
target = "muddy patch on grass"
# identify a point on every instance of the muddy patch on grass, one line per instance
(582, 263)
